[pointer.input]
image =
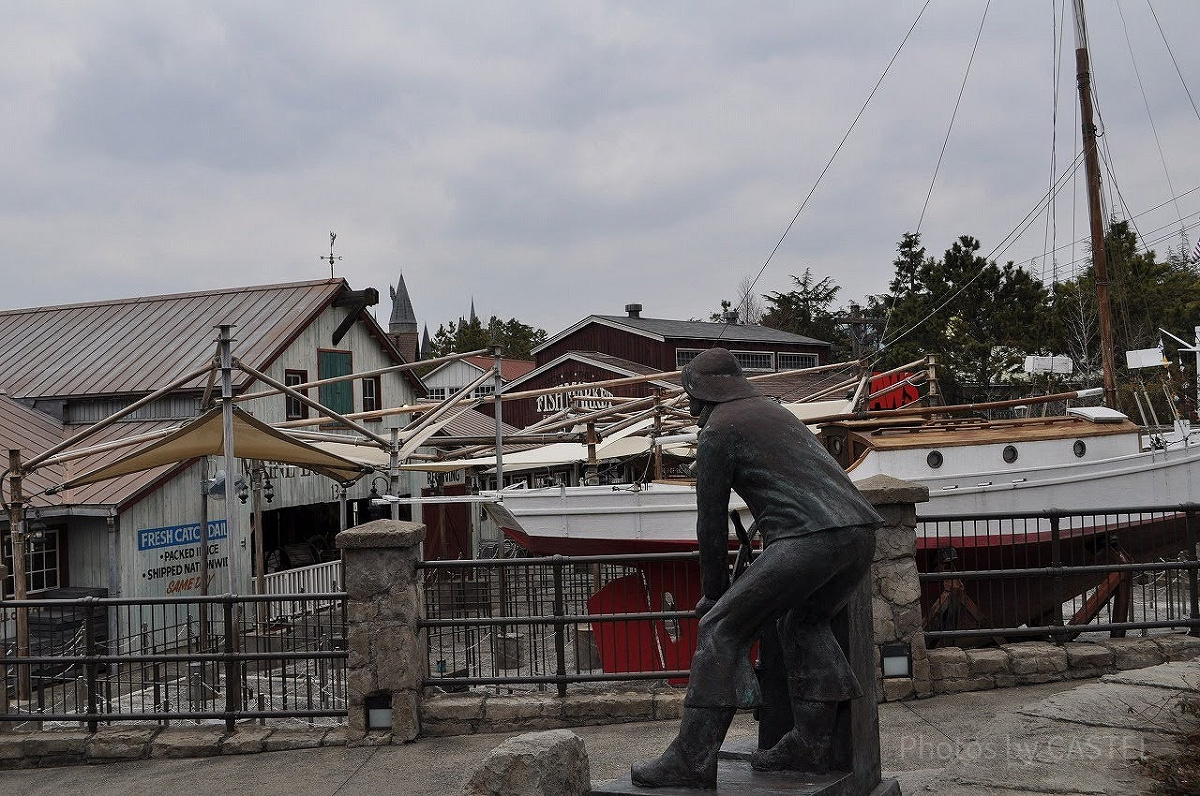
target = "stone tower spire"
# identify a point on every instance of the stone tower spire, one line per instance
(402, 326)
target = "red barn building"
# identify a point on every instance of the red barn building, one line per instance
(603, 347)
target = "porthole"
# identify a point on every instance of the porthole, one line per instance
(934, 459)
(1080, 448)
(1009, 453)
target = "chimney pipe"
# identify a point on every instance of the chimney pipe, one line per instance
(634, 310)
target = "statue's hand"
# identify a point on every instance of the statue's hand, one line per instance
(704, 606)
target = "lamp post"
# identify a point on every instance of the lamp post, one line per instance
(16, 524)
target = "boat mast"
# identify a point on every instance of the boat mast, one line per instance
(1095, 211)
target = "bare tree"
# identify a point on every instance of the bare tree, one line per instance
(749, 303)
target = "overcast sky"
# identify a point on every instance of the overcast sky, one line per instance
(558, 159)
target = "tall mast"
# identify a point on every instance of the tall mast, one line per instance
(1083, 75)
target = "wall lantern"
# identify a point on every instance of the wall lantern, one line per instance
(896, 660)
(379, 711)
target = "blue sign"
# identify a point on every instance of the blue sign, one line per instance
(154, 538)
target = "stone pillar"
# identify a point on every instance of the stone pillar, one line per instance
(895, 588)
(387, 658)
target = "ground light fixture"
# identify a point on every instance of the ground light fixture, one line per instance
(379, 711)
(896, 660)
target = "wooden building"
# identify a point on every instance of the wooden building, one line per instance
(450, 377)
(603, 347)
(65, 367)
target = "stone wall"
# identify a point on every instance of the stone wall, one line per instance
(464, 714)
(955, 670)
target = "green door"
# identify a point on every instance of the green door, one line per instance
(340, 396)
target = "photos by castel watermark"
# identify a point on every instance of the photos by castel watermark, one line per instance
(1050, 749)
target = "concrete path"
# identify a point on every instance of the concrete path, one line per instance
(1061, 738)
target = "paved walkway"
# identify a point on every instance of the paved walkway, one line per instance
(1061, 738)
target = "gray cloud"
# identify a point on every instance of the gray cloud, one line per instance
(550, 159)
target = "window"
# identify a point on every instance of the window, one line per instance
(483, 390)
(294, 408)
(685, 355)
(338, 396)
(796, 361)
(438, 393)
(41, 563)
(371, 390)
(754, 360)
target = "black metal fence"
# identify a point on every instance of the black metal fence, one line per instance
(533, 623)
(1058, 574)
(199, 659)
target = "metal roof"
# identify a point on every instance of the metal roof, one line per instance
(136, 345)
(663, 329)
(473, 423)
(33, 431)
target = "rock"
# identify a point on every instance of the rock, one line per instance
(987, 661)
(948, 663)
(552, 763)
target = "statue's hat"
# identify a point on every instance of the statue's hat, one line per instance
(715, 377)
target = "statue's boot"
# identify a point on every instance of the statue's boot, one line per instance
(691, 759)
(808, 747)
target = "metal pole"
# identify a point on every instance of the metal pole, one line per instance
(114, 584)
(497, 351)
(1083, 75)
(394, 471)
(1193, 536)
(16, 525)
(232, 515)
(260, 570)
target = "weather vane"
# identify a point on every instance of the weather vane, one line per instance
(331, 258)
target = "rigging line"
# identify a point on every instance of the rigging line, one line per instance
(1002, 247)
(1146, 102)
(838, 149)
(945, 144)
(954, 115)
(1159, 206)
(1146, 245)
(1044, 200)
(1050, 236)
(1171, 52)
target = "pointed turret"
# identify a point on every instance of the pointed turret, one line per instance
(426, 346)
(402, 326)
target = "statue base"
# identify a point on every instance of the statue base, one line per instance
(735, 777)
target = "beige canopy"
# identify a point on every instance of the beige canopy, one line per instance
(204, 436)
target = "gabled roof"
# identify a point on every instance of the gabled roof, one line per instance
(662, 329)
(509, 368)
(619, 366)
(135, 345)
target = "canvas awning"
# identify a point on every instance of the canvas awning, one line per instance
(205, 436)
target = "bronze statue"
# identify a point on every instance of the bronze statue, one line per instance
(818, 540)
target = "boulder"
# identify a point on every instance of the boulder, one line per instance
(552, 763)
